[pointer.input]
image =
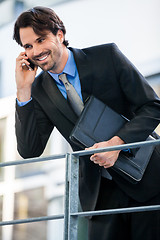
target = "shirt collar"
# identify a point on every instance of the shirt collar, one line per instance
(70, 67)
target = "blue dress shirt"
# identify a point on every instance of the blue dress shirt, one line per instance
(70, 70)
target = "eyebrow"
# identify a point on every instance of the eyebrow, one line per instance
(28, 44)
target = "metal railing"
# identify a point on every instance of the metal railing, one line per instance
(71, 213)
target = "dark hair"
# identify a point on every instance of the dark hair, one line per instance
(41, 19)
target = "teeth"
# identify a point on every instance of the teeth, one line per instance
(41, 59)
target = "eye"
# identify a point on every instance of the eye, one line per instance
(40, 40)
(27, 46)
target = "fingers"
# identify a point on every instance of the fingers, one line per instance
(97, 158)
(105, 160)
(93, 147)
(23, 77)
(94, 158)
(21, 62)
(21, 58)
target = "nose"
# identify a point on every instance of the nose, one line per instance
(36, 50)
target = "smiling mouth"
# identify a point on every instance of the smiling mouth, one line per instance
(42, 57)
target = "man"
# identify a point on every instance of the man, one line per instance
(102, 71)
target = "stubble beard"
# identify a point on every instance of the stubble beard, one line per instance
(49, 68)
(50, 65)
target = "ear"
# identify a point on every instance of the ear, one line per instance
(60, 36)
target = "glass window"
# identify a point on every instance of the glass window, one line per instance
(0, 78)
(1, 206)
(31, 169)
(28, 204)
(154, 81)
(2, 137)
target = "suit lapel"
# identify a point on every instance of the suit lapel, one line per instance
(85, 75)
(57, 98)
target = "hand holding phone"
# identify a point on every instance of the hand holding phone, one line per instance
(31, 66)
(25, 73)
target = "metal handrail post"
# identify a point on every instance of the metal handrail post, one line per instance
(66, 200)
(73, 197)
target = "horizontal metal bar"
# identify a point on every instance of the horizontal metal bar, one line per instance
(80, 153)
(82, 214)
(117, 147)
(117, 211)
(30, 220)
(32, 160)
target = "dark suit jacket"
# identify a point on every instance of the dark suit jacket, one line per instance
(108, 75)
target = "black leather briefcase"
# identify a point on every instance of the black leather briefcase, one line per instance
(98, 123)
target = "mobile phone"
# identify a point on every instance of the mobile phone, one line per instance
(32, 65)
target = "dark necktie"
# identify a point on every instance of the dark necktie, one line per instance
(73, 97)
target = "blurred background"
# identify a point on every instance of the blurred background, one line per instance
(35, 190)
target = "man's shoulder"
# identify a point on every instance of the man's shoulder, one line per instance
(100, 47)
(103, 48)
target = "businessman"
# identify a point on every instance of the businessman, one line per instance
(42, 104)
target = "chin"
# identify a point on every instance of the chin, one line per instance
(47, 67)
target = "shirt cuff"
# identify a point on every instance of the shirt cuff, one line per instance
(126, 150)
(21, 104)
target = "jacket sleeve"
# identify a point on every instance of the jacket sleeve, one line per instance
(144, 102)
(33, 129)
